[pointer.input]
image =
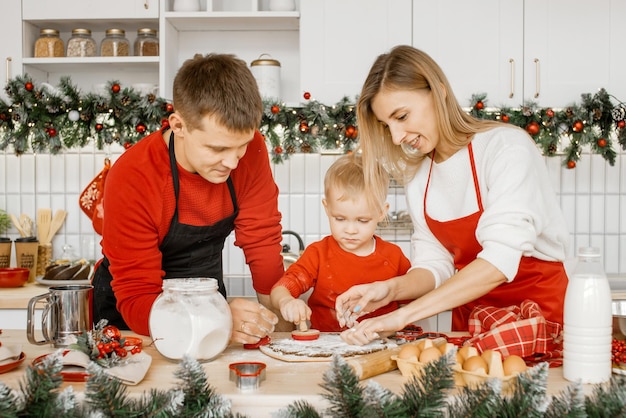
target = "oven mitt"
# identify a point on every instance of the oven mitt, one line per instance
(131, 372)
(90, 200)
(520, 330)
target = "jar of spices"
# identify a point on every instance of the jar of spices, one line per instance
(49, 44)
(115, 44)
(81, 44)
(190, 318)
(147, 43)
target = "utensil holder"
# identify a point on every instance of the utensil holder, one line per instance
(44, 258)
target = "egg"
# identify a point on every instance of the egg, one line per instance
(513, 365)
(409, 352)
(475, 364)
(487, 354)
(429, 354)
(464, 352)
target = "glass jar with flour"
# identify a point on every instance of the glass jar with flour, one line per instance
(190, 318)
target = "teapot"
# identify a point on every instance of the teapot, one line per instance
(289, 257)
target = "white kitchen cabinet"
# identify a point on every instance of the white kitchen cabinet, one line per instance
(340, 39)
(517, 51)
(88, 73)
(11, 50)
(242, 28)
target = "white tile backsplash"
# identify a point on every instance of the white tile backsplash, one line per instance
(592, 196)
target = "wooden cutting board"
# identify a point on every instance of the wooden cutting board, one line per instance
(320, 350)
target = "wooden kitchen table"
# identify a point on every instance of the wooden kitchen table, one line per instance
(285, 382)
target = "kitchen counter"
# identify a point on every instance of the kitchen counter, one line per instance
(285, 382)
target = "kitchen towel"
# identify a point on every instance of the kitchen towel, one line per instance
(520, 330)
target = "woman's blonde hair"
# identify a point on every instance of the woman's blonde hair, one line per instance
(218, 85)
(346, 179)
(407, 68)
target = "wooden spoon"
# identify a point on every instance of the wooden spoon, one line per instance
(44, 217)
(56, 224)
(17, 225)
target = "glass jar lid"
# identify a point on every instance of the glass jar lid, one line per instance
(51, 32)
(146, 31)
(265, 61)
(119, 32)
(193, 284)
(81, 32)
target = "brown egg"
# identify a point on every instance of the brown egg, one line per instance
(429, 354)
(475, 364)
(487, 355)
(464, 351)
(513, 365)
(409, 352)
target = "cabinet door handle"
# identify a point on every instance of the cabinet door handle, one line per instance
(537, 79)
(146, 4)
(8, 73)
(512, 92)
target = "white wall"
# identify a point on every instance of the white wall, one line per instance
(593, 197)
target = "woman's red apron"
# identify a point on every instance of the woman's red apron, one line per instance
(544, 282)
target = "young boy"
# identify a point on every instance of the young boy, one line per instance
(351, 255)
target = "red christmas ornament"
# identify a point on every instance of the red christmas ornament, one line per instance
(115, 88)
(29, 86)
(127, 145)
(278, 150)
(550, 113)
(169, 108)
(52, 132)
(351, 132)
(141, 128)
(304, 127)
(479, 105)
(578, 126)
(99, 127)
(504, 118)
(112, 332)
(275, 109)
(601, 142)
(621, 124)
(306, 95)
(165, 123)
(571, 164)
(533, 128)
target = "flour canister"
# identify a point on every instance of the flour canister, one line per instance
(190, 318)
(266, 71)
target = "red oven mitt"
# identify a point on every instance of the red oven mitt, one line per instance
(90, 200)
(520, 330)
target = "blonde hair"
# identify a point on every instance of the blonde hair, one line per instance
(408, 68)
(347, 179)
(218, 85)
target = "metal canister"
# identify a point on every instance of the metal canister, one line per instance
(266, 71)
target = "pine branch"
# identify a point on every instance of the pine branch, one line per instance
(298, 409)
(8, 402)
(107, 394)
(479, 401)
(608, 400)
(570, 403)
(342, 390)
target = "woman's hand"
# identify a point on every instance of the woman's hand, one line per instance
(360, 300)
(251, 321)
(372, 329)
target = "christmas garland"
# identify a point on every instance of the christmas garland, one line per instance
(431, 393)
(50, 119)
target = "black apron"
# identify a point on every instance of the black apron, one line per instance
(187, 251)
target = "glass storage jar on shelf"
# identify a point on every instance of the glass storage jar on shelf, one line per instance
(147, 43)
(49, 44)
(81, 44)
(115, 44)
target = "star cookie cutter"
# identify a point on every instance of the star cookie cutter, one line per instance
(247, 375)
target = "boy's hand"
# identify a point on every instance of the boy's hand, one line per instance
(295, 310)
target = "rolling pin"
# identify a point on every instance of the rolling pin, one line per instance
(373, 364)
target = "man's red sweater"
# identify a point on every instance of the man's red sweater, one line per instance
(139, 203)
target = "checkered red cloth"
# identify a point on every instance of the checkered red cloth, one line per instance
(520, 330)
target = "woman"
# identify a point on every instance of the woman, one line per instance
(488, 228)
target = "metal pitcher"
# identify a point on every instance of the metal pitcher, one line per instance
(67, 313)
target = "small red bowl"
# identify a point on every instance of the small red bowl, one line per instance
(13, 276)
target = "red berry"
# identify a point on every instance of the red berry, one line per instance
(275, 109)
(621, 124)
(112, 332)
(278, 150)
(169, 108)
(479, 105)
(602, 142)
(550, 113)
(52, 132)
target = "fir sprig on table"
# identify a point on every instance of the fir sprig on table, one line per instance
(429, 394)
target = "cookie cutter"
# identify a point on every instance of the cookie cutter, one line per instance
(247, 375)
